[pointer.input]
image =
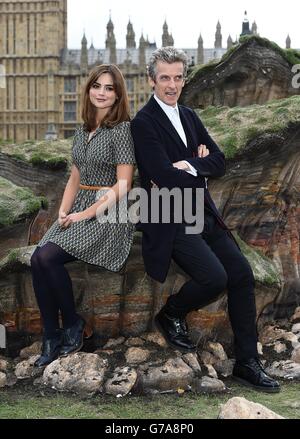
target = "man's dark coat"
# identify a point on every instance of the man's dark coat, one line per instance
(157, 147)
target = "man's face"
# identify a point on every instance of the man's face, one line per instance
(169, 82)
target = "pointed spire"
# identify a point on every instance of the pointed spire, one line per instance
(200, 52)
(218, 37)
(246, 17)
(254, 28)
(130, 37)
(229, 42)
(288, 42)
(165, 36)
(84, 40)
(92, 45)
(84, 53)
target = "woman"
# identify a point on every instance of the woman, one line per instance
(101, 174)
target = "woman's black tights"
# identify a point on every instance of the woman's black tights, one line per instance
(53, 287)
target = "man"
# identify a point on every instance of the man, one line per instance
(174, 150)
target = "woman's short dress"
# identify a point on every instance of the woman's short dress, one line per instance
(106, 244)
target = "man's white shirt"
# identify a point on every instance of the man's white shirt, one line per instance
(173, 115)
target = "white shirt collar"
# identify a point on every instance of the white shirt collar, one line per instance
(168, 109)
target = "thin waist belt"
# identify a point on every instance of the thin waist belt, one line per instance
(93, 188)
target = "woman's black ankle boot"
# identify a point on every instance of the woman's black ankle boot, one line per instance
(73, 338)
(51, 349)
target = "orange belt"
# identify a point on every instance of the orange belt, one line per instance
(93, 188)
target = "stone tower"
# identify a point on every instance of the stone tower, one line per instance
(200, 52)
(33, 35)
(218, 39)
(142, 51)
(246, 26)
(254, 28)
(288, 42)
(229, 42)
(165, 35)
(110, 42)
(130, 37)
(84, 54)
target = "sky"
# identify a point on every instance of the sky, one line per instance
(186, 20)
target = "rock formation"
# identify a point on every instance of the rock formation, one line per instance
(253, 72)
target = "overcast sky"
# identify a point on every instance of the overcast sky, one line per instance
(186, 20)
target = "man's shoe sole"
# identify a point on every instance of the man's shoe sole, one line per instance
(261, 389)
(173, 345)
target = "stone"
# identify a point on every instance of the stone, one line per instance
(209, 385)
(296, 315)
(296, 328)
(217, 350)
(288, 370)
(241, 408)
(80, 373)
(171, 375)
(113, 342)
(25, 369)
(296, 355)
(279, 347)
(134, 341)
(4, 365)
(157, 338)
(122, 381)
(135, 355)
(34, 349)
(3, 379)
(191, 359)
(225, 367)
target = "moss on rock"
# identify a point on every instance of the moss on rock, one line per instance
(17, 203)
(264, 269)
(49, 154)
(233, 128)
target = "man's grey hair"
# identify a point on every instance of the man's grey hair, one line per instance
(169, 55)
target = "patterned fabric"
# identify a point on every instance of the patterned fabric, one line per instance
(106, 245)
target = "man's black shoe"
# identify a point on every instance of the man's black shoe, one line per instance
(50, 350)
(73, 338)
(251, 373)
(174, 330)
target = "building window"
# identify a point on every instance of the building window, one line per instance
(70, 85)
(68, 133)
(129, 84)
(70, 112)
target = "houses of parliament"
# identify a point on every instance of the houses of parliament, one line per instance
(41, 79)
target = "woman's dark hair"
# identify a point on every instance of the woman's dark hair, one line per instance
(119, 111)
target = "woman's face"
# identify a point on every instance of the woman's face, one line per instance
(102, 93)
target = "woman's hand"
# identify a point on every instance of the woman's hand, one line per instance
(203, 151)
(73, 218)
(61, 217)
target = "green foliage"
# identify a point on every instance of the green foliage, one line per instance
(53, 155)
(46, 161)
(16, 403)
(233, 128)
(17, 203)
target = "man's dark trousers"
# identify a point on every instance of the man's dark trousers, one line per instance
(214, 262)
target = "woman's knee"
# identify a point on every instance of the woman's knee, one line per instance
(34, 260)
(41, 258)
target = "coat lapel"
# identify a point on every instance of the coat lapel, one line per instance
(160, 116)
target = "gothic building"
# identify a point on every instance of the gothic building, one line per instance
(41, 79)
